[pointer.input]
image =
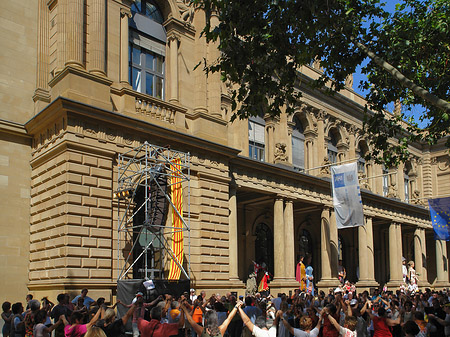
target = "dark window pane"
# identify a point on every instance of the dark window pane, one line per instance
(136, 57)
(149, 59)
(160, 64)
(159, 87)
(149, 84)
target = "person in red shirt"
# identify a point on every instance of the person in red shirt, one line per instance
(155, 328)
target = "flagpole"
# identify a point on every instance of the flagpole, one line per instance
(379, 175)
(332, 164)
(432, 197)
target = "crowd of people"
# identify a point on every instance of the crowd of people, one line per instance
(340, 312)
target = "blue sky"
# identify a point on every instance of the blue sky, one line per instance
(416, 111)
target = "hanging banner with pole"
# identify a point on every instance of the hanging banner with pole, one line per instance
(346, 196)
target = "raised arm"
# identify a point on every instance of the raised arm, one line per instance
(364, 308)
(128, 315)
(93, 320)
(248, 323)
(334, 322)
(223, 327)
(197, 328)
(285, 322)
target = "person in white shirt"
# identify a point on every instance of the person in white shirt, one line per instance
(305, 325)
(259, 329)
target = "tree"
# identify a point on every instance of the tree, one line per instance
(264, 43)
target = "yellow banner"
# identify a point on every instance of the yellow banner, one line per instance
(177, 236)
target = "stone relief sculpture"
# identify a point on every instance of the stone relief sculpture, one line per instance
(326, 166)
(280, 152)
(186, 10)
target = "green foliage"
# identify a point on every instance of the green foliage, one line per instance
(263, 43)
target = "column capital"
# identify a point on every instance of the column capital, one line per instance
(174, 36)
(125, 12)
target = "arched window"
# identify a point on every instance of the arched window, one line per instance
(147, 49)
(147, 8)
(332, 147)
(298, 145)
(256, 138)
(264, 246)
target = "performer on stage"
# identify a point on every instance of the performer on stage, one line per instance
(413, 287)
(309, 276)
(300, 275)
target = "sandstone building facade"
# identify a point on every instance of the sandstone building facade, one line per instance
(83, 81)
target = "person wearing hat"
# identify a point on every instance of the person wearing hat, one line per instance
(192, 295)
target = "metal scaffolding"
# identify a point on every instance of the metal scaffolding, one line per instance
(143, 194)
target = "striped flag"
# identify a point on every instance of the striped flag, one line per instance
(177, 223)
(440, 217)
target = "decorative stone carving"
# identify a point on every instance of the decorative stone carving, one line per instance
(325, 169)
(443, 163)
(416, 198)
(186, 10)
(280, 152)
(364, 183)
(392, 192)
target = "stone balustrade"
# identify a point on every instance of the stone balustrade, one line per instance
(148, 107)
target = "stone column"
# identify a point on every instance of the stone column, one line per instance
(42, 73)
(441, 264)
(74, 33)
(370, 250)
(366, 261)
(213, 80)
(201, 86)
(124, 45)
(363, 254)
(328, 272)
(270, 127)
(278, 238)
(395, 258)
(325, 243)
(97, 35)
(174, 41)
(320, 146)
(420, 251)
(233, 235)
(334, 244)
(290, 127)
(289, 240)
(61, 42)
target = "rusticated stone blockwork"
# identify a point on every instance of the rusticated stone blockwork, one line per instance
(71, 230)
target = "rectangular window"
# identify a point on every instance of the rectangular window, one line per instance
(298, 154)
(256, 140)
(147, 71)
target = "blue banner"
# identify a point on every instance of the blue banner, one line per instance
(440, 217)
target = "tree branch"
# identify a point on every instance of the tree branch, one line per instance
(406, 82)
